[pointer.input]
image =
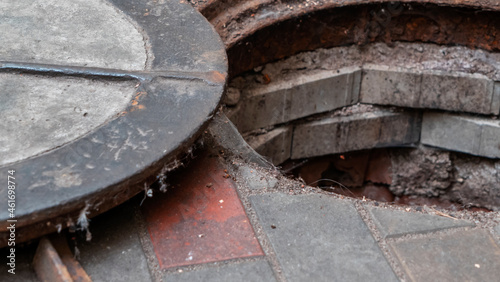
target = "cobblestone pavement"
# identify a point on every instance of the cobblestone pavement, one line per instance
(224, 219)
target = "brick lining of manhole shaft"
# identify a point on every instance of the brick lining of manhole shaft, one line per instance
(258, 32)
(291, 102)
(414, 22)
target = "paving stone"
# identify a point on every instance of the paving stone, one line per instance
(222, 133)
(256, 179)
(458, 92)
(288, 100)
(397, 223)
(275, 145)
(495, 104)
(355, 132)
(324, 92)
(490, 139)
(460, 133)
(319, 238)
(115, 250)
(497, 229)
(248, 271)
(390, 86)
(200, 219)
(258, 110)
(451, 132)
(432, 89)
(461, 256)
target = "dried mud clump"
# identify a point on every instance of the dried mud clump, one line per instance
(423, 171)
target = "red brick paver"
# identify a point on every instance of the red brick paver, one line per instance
(201, 219)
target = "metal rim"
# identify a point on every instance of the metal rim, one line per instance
(177, 95)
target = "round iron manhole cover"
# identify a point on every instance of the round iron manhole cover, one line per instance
(96, 96)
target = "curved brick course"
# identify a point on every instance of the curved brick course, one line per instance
(414, 77)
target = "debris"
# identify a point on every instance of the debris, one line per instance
(148, 192)
(445, 215)
(83, 221)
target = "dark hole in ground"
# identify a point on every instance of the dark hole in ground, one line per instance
(409, 176)
(379, 175)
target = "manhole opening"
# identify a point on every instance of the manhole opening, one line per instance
(408, 123)
(406, 176)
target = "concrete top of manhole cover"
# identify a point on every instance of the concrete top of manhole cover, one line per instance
(95, 96)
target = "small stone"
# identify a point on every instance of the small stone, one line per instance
(258, 69)
(232, 96)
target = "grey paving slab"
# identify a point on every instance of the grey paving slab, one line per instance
(396, 223)
(431, 89)
(257, 271)
(461, 256)
(354, 132)
(275, 144)
(288, 100)
(89, 33)
(115, 251)
(457, 92)
(41, 113)
(390, 86)
(259, 109)
(255, 179)
(324, 92)
(490, 139)
(318, 238)
(224, 134)
(495, 101)
(473, 135)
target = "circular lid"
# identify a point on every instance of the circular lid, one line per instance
(95, 96)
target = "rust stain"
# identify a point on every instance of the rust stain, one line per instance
(217, 77)
(135, 102)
